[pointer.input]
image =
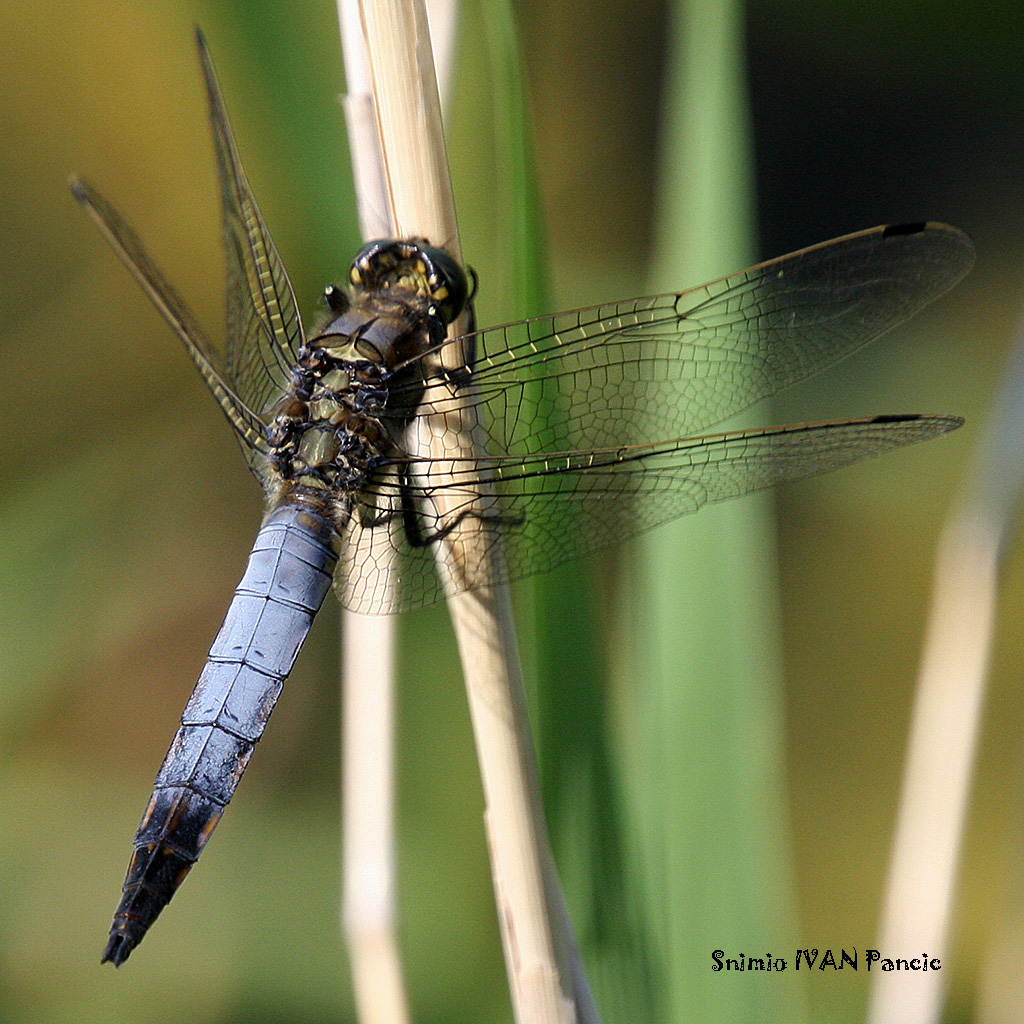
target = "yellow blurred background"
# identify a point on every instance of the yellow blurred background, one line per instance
(126, 511)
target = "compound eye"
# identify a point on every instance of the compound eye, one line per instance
(447, 284)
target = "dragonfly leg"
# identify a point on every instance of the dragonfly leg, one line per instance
(420, 538)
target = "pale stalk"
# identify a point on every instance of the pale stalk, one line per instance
(369, 901)
(919, 899)
(369, 884)
(546, 982)
(937, 776)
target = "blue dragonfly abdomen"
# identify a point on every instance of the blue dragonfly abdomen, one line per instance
(286, 579)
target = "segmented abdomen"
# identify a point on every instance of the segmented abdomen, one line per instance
(287, 576)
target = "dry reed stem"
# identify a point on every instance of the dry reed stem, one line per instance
(937, 776)
(546, 986)
(369, 883)
(919, 897)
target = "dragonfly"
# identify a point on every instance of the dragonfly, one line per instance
(568, 408)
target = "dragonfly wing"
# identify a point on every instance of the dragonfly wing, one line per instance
(674, 365)
(130, 250)
(616, 492)
(264, 327)
(550, 508)
(286, 579)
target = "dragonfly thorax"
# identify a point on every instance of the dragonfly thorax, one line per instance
(334, 424)
(337, 421)
(386, 329)
(325, 430)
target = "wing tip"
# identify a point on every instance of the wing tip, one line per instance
(944, 423)
(914, 228)
(958, 239)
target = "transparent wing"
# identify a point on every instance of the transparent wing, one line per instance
(554, 507)
(264, 330)
(126, 244)
(674, 365)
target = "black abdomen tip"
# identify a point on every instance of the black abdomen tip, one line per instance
(119, 948)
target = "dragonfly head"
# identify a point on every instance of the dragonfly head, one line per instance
(413, 266)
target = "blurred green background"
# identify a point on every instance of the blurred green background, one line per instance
(127, 512)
